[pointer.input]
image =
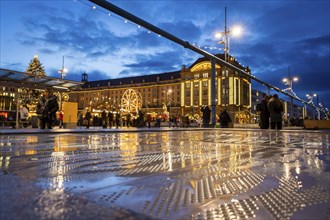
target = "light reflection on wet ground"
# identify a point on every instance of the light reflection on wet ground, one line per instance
(206, 174)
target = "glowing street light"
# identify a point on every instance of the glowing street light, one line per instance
(289, 82)
(167, 100)
(63, 71)
(225, 40)
(225, 37)
(310, 97)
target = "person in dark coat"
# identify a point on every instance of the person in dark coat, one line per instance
(117, 119)
(87, 118)
(51, 107)
(224, 119)
(111, 117)
(40, 110)
(104, 117)
(206, 115)
(275, 108)
(46, 109)
(264, 113)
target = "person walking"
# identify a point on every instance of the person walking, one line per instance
(40, 110)
(264, 113)
(117, 119)
(149, 120)
(46, 109)
(275, 108)
(206, 116)
(104, 118)
(110, 117)
(128, 120)
(87, 119)
(224, 119)
(51, 107)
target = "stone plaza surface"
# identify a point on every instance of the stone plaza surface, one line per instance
(164, 174)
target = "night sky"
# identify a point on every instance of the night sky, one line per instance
(276, 35)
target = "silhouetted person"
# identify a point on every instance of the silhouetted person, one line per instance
(111, 117)
(206, 115)
(275, 108)
(224, 119)
(87, 119)
(264, 113)
(46, 109)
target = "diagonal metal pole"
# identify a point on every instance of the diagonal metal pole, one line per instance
(186, 44)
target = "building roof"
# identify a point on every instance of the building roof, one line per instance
(150, 78)
(19, 79)
(221, 56)
(134, 80)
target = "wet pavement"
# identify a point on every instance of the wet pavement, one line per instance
(165, 174)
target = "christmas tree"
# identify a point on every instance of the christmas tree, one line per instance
(35, 68)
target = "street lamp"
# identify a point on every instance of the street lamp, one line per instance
(63, 71)
(310, 97)
(289, 82)
(317, 104)
(225, 40)
(167, 100)
(225, 37)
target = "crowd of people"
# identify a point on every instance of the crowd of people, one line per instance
(270, 109)
(115, 119)
(46, 109)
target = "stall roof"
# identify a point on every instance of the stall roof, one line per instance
(17, 79)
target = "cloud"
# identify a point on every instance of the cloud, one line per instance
(155, 63)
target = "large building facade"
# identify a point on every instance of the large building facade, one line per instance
(180, 93)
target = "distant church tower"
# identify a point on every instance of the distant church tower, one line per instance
(84, 77)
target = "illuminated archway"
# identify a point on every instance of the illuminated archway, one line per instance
(131, 101)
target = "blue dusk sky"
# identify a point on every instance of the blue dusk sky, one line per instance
(276, 35)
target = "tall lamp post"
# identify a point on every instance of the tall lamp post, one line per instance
(310, 97)
(225, 40)
(317, 106)
(63, 72)
(289, 82)
(168, 102)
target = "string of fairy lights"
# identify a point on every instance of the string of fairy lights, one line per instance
(93, 7)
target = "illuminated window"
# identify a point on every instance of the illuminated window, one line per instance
(187, 85)
(205, 75)
(196, 76)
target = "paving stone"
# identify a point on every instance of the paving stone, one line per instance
(181, 174)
